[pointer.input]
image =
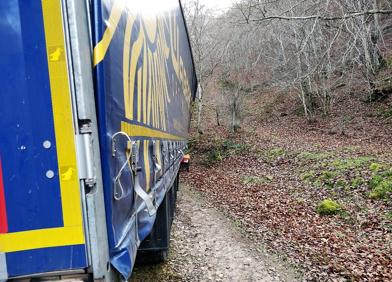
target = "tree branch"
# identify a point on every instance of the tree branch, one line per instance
(324, 18)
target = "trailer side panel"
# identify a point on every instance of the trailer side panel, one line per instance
(145, 82)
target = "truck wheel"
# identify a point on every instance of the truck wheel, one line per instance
(154, 249)
(151, 257)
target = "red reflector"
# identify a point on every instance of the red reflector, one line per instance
(186, 159)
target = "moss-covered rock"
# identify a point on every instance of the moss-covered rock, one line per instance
(328, 207)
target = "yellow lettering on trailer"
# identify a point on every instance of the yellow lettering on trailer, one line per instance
(153, 96)
(126, 78)
(114, 18)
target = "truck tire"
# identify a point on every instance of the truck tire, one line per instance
(151, 257)
(155, 248)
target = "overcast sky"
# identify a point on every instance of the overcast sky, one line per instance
(217, 4)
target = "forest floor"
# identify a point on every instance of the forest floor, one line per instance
(286, 200)
(273, 176)
(207, 246)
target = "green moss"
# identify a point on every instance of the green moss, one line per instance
(328, 207)
(233, 148)
(380, 181)
(350, 163)
(308, 175)
(214, 156)
(389, 62)
(343, 174)
(276, 152)
(388, 215)
(250, 179)
(221, 149)
(327, 178)
(375, 180)
(386, 113)
(271, 154)
(382, 190)
(377, 194)
(356, 182)
(328, 175)
(313, 156)
(375, 167)
(350, 149)
(341, 183)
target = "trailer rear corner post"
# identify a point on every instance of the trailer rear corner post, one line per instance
(76, 20)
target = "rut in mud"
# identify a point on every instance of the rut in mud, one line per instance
(207, 246)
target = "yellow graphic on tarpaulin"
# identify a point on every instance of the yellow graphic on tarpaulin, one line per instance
(152, 76)
(72, 232)
(147, 53)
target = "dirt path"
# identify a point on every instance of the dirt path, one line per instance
(206, 246)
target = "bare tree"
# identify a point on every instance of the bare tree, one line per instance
(205, 47)
(309, 48)
(319, 42)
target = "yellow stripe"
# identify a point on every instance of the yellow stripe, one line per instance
(135, 52)
(101, 48)
(127, 46)
(72, 232)
(139, 94)
(150, 91)
(62, 115)
(147, 165)
(43, 238)
(142, 131)
(145, 83)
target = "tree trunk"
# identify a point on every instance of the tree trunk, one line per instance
(235, 124)
(199, 108)
(217, 116)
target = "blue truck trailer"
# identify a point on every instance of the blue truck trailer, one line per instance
(94, 115)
